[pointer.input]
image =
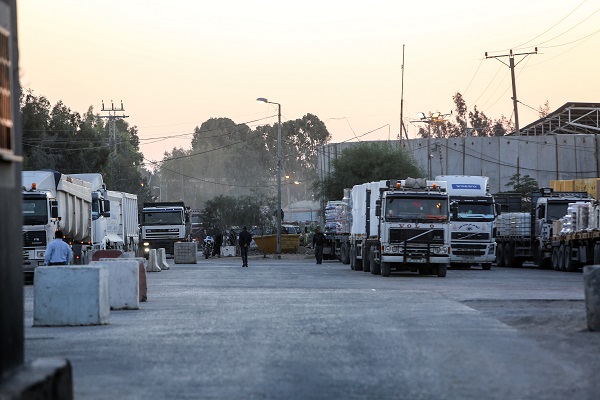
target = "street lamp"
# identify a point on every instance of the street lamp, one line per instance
(159, 192)
(278, 213)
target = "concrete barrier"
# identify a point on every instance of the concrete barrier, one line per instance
(228, 251)
(71, 296)
(591, 283)
(161, 258)
(152, 262)
(186, 253)
(123, 283)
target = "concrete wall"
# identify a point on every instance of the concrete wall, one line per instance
(544, 158)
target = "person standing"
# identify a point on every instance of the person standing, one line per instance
(244, 241)
(58, 251)
(318, 242)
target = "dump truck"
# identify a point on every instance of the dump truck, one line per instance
(162, 225)
(400, 225)
(53, 201)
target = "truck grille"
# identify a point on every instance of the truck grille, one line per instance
(470, 236)
(34, 238)
(419, 235)
(469, 249)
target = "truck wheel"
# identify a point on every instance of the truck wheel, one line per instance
(366, 265)
(441, 270)
(385, 269)
(554, 260)
(486, 266)
(375, 266)
(500, 256)
(356, 264)
(509, 257)
(561, 257)
(570, 264)
(344, 254)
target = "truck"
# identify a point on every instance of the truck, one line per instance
(400, 225)
(527, 236)
(576, 237)
(116, 229)
(472, 231)
(163, 224)
(337, 229)
(53, 201)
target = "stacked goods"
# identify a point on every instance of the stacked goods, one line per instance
(337, 217)
(583, 213)
(514, 224)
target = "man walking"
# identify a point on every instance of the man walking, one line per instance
(318, 242)
(58, 251)
(244, 241)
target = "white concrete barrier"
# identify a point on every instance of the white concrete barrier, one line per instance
(123, 283)
(185, 253)
(71, 296)
(591, 283)
(161, 258)
(228, 251)
(152, 262)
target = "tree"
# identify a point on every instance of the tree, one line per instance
(544, 110)
(223, 212)
(523, 186)
(366, 162)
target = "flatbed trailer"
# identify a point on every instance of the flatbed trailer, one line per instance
(572, 251)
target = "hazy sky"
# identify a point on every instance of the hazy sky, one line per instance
(175, 64)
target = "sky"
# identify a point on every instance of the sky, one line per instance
(175, 64)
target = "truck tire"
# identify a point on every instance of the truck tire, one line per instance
(442, 270)
(597, 253)
(570, 264)
(508, 253)
(375, 266)
(385, 269)
(344, 254)
(355, 263)
(366, 265)
(555, 258)
(500, 262)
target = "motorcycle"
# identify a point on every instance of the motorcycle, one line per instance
(209, 244)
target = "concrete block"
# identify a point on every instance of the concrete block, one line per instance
(591, 283)
(43, 378)
(123, 283)
(227, 251)
(161, 258)
(152, 262)
(186, 253)
(142, 271)
(71, 296)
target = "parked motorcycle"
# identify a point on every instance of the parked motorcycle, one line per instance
(209, 245)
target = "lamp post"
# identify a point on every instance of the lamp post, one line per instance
(159, 192)
(278, 213)
(433, 118)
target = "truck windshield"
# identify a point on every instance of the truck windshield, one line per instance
(162, 218)
(475, 211)
(35, 212)
(557, 210)
(416, 209)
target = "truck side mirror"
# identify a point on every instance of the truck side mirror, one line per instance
(378, 210)
(498, 208)
(54, 209)
(107, 206)
(454, 210)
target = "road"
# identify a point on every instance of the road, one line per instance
(290, 329)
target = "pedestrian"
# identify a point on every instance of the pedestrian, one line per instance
(244, 241)
(218, 244)
(318, 242)
(58, 251)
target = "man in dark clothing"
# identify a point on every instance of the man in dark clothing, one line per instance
(244, 241)
(318, 242)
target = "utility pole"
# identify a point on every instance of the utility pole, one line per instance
(511, 65)
(112, 118)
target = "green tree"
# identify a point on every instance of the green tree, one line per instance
(223, 212)
(366, 162)
(522, 186)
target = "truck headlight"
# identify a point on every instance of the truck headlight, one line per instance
(40, 253)
(440, 250)
(146, 244)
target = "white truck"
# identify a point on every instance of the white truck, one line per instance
(337, 229)
(400, 225)
(472, 233)
(528, 236)
(122, 231)
(53, 201)
(162, 225)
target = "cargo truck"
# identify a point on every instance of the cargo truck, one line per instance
(337, 229)
(400, 225)
(527, 236)
(576, 238)
(162, 225)
(53, 201)
(122, 229)
(473, 230)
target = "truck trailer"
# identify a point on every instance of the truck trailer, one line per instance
(528, 236)
(400, 225)
(122, 231)
(472, 235)
(53, 201)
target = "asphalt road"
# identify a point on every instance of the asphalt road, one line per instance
(290, 329)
